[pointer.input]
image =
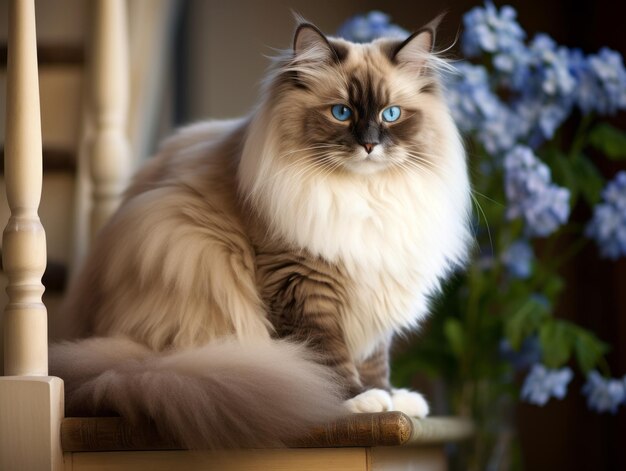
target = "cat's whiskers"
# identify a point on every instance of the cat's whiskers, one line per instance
(413, 165)
(298, 160)
(480, 209)
(323, 164)
(424, 161)
(430, 158)
(312, 165)
(334, 165)
(321, 145)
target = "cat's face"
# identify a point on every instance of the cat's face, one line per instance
(355, 108)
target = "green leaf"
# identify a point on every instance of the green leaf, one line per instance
(560, 168)
(454, 334)
(552, 285)
(557, 340)
(589, 350)
(589, 179)
(609, 140)
(524, 320)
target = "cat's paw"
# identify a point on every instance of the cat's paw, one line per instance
(372, 400)
(409, 402)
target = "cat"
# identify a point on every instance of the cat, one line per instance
(252, 279)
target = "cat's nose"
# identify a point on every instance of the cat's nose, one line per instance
(369, 147)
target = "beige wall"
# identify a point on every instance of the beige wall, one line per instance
(227, 42)
(229, 39)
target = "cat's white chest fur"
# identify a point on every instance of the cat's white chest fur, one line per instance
(395, 239)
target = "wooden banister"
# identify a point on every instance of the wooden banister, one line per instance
(109, 151)
(31, 403)
(24, 239)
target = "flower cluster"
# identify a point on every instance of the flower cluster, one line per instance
(542, 383)
(608, 225)
(543, 81)
(601, 81)
(604, 395)
(477, 109)
(366, 28)
(487, 29)
(531, 194)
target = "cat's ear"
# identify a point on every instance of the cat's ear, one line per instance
(414, 50)
(309, 41)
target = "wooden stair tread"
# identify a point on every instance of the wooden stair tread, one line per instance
(54, 160)
(357, 430)
(52, 54)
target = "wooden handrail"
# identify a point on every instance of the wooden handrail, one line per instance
(24, 239)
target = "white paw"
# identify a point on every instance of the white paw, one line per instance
(372, 400)
(409, 402)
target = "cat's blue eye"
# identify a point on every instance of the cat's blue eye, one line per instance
(391, 114)
(341, 112)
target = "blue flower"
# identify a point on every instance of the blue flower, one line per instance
(476, 108)
(604, 395)
(500, 132)
(545, 86)
(366, 28)
(517, 259)
(552, 66)
(469, 96)
(542, 383)
(490, 30)
(601, 80)
(531, 195)
(608, 224)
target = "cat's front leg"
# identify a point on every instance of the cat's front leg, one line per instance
(374, 370)
(327, 339)
(307, 309)
(321, 331)
(374, 373)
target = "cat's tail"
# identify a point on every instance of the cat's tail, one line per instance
(222, 395)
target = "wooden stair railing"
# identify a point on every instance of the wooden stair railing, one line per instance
(31, 402)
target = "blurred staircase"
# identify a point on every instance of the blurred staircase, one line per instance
(64, 29)
(61, 55)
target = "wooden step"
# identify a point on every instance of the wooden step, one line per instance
(54, 160)
(52, 54)
(82, 434)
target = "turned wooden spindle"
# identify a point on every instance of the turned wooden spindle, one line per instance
(109, 151)
(24, 239)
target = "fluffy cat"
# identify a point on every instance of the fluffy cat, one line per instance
(257, 270)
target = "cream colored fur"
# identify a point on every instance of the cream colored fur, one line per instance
(174, 271)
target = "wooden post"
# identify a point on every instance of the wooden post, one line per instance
(24, 240)
(31, 403)
(109, 149)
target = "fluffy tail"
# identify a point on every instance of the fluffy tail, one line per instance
(222, 395)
